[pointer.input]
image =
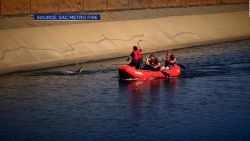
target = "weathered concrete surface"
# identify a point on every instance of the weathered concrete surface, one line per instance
(27, 21)
(71, 5)
(44, 6)
(233, 1)
(118, 4)
(41, 47)
(158, 3)
(15, 7)
(95, 5)
(176, 3)
(137, 4)
(209, 2)
(193, 2)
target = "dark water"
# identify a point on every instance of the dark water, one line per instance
(211, 101)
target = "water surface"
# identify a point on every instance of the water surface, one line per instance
(211, 101)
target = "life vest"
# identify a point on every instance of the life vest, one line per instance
(137, 55)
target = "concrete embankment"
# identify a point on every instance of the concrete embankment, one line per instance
(42, 47)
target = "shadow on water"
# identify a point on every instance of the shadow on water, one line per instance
(214, 70)
(68, 72)
(201, 72)
(189, 72)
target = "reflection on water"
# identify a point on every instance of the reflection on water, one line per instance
(146, 92)
(173, 85)
(209, 102)
(139, 87)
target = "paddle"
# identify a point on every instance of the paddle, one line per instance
(182, 66)
(165, 73)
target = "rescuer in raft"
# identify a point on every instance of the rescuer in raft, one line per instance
(136, 56)
(170, 60)
(152, 63)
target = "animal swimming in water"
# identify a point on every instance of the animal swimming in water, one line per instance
(80, 69)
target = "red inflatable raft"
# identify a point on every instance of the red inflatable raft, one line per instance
(126, 71)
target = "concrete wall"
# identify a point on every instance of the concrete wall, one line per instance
(158, 3)
(209, 2)
(10, 7)
(232, 1)
(15, 7)
(44, 6)
(71, 5)
(138, 4)
(118, 4)
(95, 5)
(68, 44)
(176, 3)
(193, 2)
